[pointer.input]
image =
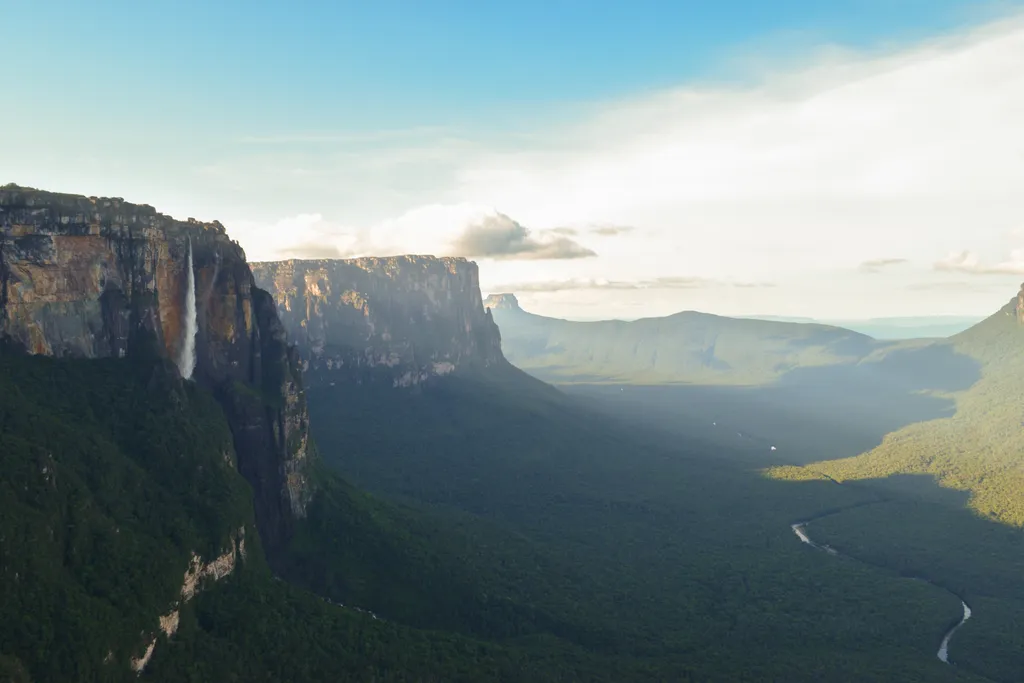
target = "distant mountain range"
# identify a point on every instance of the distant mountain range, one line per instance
(688, 347)
(908, 327)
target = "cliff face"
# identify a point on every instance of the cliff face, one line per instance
(402, 319)
(97, 277)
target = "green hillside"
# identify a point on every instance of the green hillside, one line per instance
(687, 347)
(931, 472)
(114, 472)
(978, 449)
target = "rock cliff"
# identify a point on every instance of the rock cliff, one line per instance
(402, 320)
(100, 277)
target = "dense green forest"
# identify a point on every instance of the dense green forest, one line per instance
(978, 449)
(523, 542)
(113, 474)
(979, 560)
(623, 542)
(494, 529)
(932, 428)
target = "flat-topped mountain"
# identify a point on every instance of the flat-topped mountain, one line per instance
(502, 302)
(401, 319)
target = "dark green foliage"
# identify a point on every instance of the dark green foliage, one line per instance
(965, 454)
(112, 478)
(613, 543)
(978, 449)
(979, 560)
(933, 471)
(252, 629)
(525, 539)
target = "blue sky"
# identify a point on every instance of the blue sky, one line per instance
(231, 65)
(388, 125)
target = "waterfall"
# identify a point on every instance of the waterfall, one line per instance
(187, 360)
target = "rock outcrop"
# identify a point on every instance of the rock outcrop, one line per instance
(502, 302)
(100, 277)
(401, 320)
(197, 574)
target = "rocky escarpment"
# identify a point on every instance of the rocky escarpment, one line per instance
(100, 277)
(402, 320)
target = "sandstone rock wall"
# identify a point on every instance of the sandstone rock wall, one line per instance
(98, 277)
(401, 320)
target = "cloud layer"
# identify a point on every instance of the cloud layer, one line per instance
(807, 177)
(970, 263)
(499, 237)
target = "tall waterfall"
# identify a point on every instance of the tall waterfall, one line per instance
(187, 360)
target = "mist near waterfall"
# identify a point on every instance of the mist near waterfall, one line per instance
(187, 359)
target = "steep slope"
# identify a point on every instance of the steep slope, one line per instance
(120, 502)
(401, 319)
(89, 277)
(687, 347)
(978, 449)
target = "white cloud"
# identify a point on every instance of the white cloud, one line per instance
(805, 174)
(969, 262)
(302, 236)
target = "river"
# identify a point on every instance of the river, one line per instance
(800, 529)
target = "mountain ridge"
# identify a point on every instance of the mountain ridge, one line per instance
(685, 347)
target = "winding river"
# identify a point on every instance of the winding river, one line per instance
(800, 529)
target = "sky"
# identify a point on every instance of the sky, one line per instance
(841, 159)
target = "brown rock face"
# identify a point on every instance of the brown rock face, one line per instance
(402, 319)
(97, 277)
(1020, 305)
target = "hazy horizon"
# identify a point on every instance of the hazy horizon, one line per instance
(892, 327)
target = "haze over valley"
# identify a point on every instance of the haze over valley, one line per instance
(526, 344)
